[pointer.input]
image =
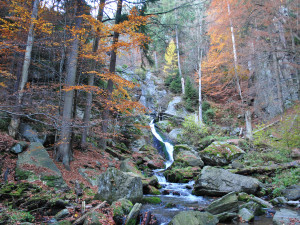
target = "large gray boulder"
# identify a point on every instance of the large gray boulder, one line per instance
(36, 164)
(31, 134)
(286, 216)
(175, 134)
(220, 154)
(194, 218)
(188, 158)
(217, 182)
(115, 184)
(292, 192)
(228, 203)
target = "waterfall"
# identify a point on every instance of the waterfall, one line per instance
(169, 147)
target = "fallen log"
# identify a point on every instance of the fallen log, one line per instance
(81, 219)
(266, 169)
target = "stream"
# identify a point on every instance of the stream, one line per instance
(176, 196)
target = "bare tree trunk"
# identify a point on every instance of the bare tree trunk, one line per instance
(15, 120)
(234, 55)
(64, 149)
(112, 69)
(88, 106)
(249, 134)
(178, 52)
(200, 88)
(155, 60)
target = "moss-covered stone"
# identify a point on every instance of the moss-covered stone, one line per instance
(151, 200)
(181, 175)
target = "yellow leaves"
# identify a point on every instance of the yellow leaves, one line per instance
(2, 84)
(171, 59)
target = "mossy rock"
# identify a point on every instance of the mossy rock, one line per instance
(151, 200)
(220, 154)
(182, 175)
(179, 148)
(121, 208)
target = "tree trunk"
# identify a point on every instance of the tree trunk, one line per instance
(200, 89)
(15, 120)
(178, 52)
(64, 148)
(88, 106)
(234, 55)
(249, 134)
(112, 69)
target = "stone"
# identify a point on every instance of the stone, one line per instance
(172, 109)
(94, 218)
(19, 147)
(245, 215)
(175, 134)
(90, 175)
(237, 165)
(262, 202)
(115, 184)
(132, 217)
(293, 203)
(255, 208)
(188, 158)
(181, 175)
(279, 200)
(194, 218)
(228, 203)
(36, 164)
(128, 165)
(226, 216)
(30, 134)
(62, 214)
(285, 216)
(121, 208)
(217, 182)
(292, 192)
(220, 154)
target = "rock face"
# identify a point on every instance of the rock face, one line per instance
(172, 109)
(188, 158)
(220, 154)
(35, 163)
(217, 182)
(90, 175)
(292, 192)
(175, 134)
(285, 216)
(228, 203)
(115, 184)
(194, 218)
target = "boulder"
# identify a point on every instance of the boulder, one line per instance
(121, 208)
(226, 216)
(255, 208)
(35, 164)
(262, 202)
(217, 182)
(188, 158)
(115, 184)
(245, 215)
(228, 203)
(132, 217)
(286, 216)
(91, 175)
(62, 214)
(19, 147)
(94, 218)
(175, 134)
(194, 218)
(292, 192)
(181, 175)
(220, 154)
(128, 165)
(30, 134)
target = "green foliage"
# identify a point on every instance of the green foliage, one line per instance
(290, 130)
(284, 179)
(141, 73)
(175, 85)
(193, 131)
(190, 96)
(205, 106)
(16, 216)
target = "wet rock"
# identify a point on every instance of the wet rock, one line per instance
(175, 134)
(255, 208)
(220, 154)
(194, 218)
(279, 200)
(293, 203)
(181, 175)
(245, 215)
(228, 203)
(132, 217)
(115, 184)
(217, 182)
(292, 192)
(226, 216)
(262, 202)
(19, 147)
(286, 216)
(30, 134)
(35, 164)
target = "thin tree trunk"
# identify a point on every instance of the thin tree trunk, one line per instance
(155, 59)
(89, 100)
(235, 55)
(249, 134)
(178, 52)
(112, 69)
(200, 88)
(15, 120)
(64, 148)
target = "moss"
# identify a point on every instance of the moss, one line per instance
(244, 197)
(151, 200)
(154, 191)
(170, 205)
(22, 174)
(51, 181)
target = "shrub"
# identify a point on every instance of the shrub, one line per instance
(284, 179)
(141, 73)
(175, 85)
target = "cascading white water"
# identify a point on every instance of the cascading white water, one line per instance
(169, 147)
